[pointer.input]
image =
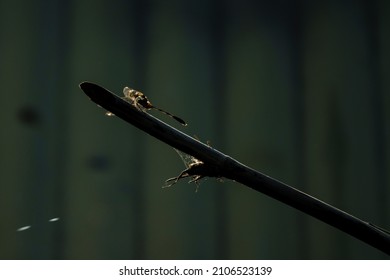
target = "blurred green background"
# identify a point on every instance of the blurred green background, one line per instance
(298, 90)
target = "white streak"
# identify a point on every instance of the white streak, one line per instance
(23, 228)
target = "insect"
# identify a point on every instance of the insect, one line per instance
(194, 168)
(141, 102)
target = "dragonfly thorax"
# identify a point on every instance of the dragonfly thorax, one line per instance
(137, 98)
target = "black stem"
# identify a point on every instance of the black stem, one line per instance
(225, 166)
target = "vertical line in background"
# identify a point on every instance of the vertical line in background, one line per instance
(297, 13)
(61, 103)
(218, 47)
(35, 187)
(377, 101)
(139, 20)
(48, 83)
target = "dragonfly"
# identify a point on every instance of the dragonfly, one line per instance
(142, 103)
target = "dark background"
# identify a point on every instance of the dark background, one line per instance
(298, 90)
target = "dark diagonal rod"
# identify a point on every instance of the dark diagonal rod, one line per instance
(225, 166)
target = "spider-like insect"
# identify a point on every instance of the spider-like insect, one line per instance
(195, 168)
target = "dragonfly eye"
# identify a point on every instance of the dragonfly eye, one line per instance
(131, 93)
